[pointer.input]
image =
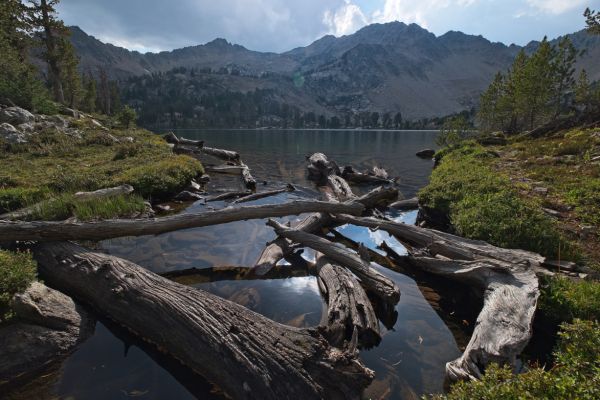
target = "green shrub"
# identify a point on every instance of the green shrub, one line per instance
(17, 271)
(576, 374)
(14, 198)
(127, 150)
(126, 116)
(65, 206)
(563, 299)
(162, 178)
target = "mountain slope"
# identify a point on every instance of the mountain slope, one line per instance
(390, 67)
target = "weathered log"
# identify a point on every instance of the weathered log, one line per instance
(340, 188)
(228, 195)
(380, 172)
(48, 325)
(319, 167)
(506, 279)
(261, 195)
(407, 204)
(227, 155)
(348, 306)
(107, 192)
(100, 230)
(225, 169)
(377, 283)
(349, 174)
(247, 177)
(173, 139)
(246, 354)
(276, 250)
(192, 276)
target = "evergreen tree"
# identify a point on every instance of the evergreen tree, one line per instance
(563, 68)
(89, 98)
(70, 78)
(398, 120)
(592, 21)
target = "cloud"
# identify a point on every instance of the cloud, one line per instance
(556, 7)
(409, 11)
(347, 19)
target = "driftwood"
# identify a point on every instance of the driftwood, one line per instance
(249, 181)
(173, 139)
(56, 231)
(377, 283)
(261, 195)
(380, 172)
(244, 353)
(506, 279)
(348, 307)
(407, 204)
(225, 169)
(319, 168)
(47, 326)
(276, 250)
(227, 155)
(349, 174)
(191, 276)
(228, 195)
(113, 191)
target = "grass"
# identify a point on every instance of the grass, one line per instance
(53, 165)
(563, 299)
(482, 203)
(575, 375)
(17, 271)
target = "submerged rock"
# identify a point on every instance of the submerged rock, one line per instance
(16, 115)
(425, 153)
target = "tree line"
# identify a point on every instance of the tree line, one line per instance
(33, 30)
(539, 88)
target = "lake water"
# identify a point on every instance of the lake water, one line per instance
(411, 357)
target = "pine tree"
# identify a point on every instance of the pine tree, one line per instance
(89, 98)
(592, 21)
(563, 68)
(398, 120)
(70, 78)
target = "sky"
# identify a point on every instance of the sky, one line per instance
(281, 25)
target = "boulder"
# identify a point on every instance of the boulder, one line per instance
(11, 135)
(16, 115)
(425, 153)
(70, 112)
(188, 196)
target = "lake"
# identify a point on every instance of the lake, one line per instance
(411, 357)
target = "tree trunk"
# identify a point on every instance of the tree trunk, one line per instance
(246, 354)
(256, 196)
(107, 192)
(506, 279)
(349, 174)
(101, 230)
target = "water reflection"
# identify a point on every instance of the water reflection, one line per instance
(411, 357)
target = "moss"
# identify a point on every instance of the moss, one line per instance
(563, 299)
(17, 271)
(576, 374)
(483, 204)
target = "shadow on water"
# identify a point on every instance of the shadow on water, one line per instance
(427, 331)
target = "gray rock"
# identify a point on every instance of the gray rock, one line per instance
(205, 178)
(70, 112)
(98, 124)
(10, 134)
(188, 196)
(48, 325)
(425, 153)
(60, 122)
(27, 127)
(127, 139)
(193, 187)
(16, 115)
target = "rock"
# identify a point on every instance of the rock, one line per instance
(193, 186)
(48, 325)
(495, 138)
(127, 139)
(205, 178)
(27, 127)
(541, 190)
(552, 213)
(16, 115)
(60, 122)
(98, 125)
(163, 207)
(587, 231)
(188, 196)
(70, 112)
(425, 153)
(11, 135)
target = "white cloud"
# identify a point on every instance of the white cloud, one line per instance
(556, 7)
(347, 19)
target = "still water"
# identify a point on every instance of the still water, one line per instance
(408, 362)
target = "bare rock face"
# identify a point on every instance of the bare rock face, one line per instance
(16, 115)
(10, 134)
(47, 327)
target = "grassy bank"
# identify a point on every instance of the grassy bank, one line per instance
(541, 195)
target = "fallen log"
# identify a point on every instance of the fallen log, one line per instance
(261, 195)
(107, 192)
(246, 354)
(348, 306)
(228, 195)
(247, 177)
(380, 172)
(506, 280)
(319, 167)
(100, 230)
(377, 283)
(226, 155)
(225, 169)
(407, 204)
(349, 174)
(276, 250)
(173, 139)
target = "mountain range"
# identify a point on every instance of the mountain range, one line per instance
(384, 68)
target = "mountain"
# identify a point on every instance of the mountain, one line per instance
(384, 68)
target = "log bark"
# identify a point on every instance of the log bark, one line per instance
(107, 192)
(54, 231)
(506, 279)
(228, 195)
(244, 353)
(247, 177)
(377, 283)
(256, 196)
(407, 204)
(277, 249)
(319, 168)
(349, 174)
(348, 306)
(226, 155)
(173, 139)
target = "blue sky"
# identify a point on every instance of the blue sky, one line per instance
(280, 25)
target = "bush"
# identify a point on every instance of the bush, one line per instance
(163, 178)
(126, 116)
(563, 299)
(576, 374)
(127, 150)
(14, 198)
(17, 271)
(66, 206)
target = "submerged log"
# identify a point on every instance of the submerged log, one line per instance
(371, 279)
(228, 195)
(349, 174)
(506, 279)
(348, 306)
(247, 177)
(277, 250)
(244, 353)
(100, 230)
(261, 195)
